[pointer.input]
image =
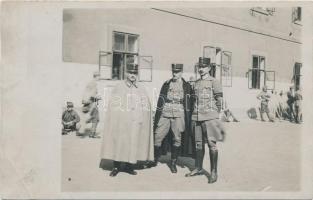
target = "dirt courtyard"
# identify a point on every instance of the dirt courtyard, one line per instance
(255, 156)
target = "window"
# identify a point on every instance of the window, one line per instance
(125, 50)
(256, 74)
(226, 74)
(297, 74)
(220, 64)
(296, 15)
(262, 10)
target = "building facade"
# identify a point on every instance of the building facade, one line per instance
(249, 47)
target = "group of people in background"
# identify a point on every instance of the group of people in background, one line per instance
(281, 106)
(72, 121)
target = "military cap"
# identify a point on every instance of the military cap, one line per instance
(70, 104)
(132, 68)
(177, 67)
(204, 61)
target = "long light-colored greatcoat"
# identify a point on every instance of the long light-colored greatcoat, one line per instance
(128, 134)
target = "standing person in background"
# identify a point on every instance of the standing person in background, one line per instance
(91, 90)
(206, 125)
(92, 120)
(283, 106)
(290, 102)
(274, 105)
(265, 98)
(298, 105)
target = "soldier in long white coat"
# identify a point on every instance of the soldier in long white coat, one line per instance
(128, 134)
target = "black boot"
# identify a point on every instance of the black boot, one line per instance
(129, 169)
(116, 168)
(213, 162)
(198, 164)
(174, 157)
(157, 154)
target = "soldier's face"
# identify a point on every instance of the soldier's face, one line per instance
(177, 75)
(69, 108)
(203, 70)
(132, 77)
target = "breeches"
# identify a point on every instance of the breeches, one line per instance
(204, 131)
(264, 108)
(177, 125)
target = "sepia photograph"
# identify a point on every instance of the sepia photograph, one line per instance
(155, 98)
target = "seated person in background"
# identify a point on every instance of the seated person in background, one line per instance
(70, 120)
(92, 119)
(228, 114)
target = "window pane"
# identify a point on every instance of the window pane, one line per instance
(130, 59)
(119, 42)
(133, 43)
(297, 70)
(255, 62)
(262, 63)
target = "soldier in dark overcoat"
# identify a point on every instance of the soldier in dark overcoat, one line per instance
(173, 115)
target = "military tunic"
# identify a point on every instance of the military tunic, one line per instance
(70, 120)
(172, 116)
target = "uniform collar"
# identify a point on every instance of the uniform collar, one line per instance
(130, 84)
(208, 77)
(178, 81)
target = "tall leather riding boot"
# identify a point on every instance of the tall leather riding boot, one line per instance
(157, 154)
(198, 164)
(116, 168)
(174, 156)
(213, 162)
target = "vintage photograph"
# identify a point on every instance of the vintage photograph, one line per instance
(155, 100)
(174, 99)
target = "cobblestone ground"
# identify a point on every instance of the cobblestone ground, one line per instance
(256, 156)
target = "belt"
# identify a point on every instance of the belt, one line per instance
(180, 101)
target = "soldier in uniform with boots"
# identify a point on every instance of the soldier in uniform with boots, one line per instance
(173, 115)
(207, 128)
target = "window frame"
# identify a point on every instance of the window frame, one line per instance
(268, 11)
(296, 75)
(125, 52)
(258, 71)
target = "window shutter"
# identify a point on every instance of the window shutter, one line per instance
(105, 65)
(145, 68)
